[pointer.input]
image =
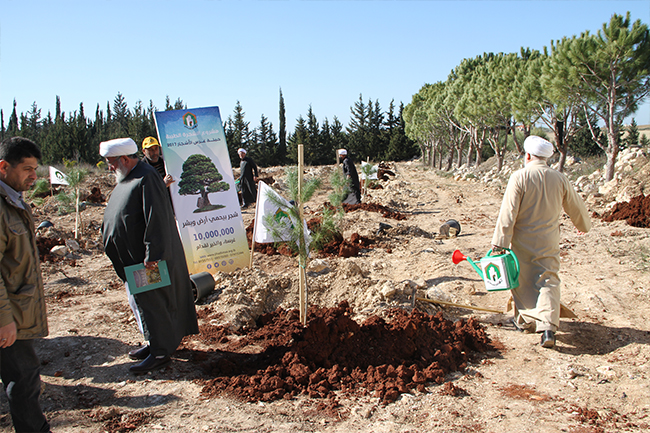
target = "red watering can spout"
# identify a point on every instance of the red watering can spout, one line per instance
(458, 257)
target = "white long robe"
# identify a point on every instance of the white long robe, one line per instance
(529, 223)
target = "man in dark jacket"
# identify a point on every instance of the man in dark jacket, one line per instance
(350, 172)
(22, 303)
(247, 178)
(139, 228)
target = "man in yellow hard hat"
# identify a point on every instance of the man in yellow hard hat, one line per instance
(153, 157)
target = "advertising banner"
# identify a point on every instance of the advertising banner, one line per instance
(204, 195)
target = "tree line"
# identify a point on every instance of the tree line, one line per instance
(582, 90)
(371, 133)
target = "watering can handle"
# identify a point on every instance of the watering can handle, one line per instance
(510, 252)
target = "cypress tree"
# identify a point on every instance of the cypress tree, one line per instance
(12, 127)
(281, 154)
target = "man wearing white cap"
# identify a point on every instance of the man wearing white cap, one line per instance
(139, 228)
(247, 178)
(529, 223)
(350, 172)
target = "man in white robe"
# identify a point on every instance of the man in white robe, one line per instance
(529, 223)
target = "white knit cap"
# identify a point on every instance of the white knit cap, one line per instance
(241, 149)
(343, 152)
(538, 146)
(118, 147)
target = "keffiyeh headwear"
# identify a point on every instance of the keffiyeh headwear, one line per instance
(538, 146)
(117, 147)
(342, 152)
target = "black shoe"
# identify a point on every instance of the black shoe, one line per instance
(140, 353)
(150, 364)
(548, 339)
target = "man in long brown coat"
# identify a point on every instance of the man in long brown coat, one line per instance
(22, 302)
(529, 222)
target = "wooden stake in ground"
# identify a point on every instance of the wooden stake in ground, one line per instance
(301, 260)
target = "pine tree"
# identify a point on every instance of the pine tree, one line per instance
(119, 123)
(312, 142)
(78, 133)
(632, 137)
(266, 143)
(644, 141)
(32, 124)
(240, 134)
(358, 128)
(338, 136)
(328, 155)
(300, 136)
(582, 143)
(612, 74)
(400, 147)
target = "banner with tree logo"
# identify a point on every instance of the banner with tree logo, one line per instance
(203, 193)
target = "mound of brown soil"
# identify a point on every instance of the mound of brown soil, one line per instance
(44, 245)
(333, 352)
(636, 212)
(374, 207)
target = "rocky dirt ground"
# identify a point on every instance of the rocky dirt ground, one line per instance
(475, 373)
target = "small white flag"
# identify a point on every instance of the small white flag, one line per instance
(373, 171)
(265, 207)
(57, 177)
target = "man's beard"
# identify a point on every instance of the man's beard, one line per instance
(120, 172)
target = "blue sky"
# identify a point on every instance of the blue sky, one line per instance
(320, 53)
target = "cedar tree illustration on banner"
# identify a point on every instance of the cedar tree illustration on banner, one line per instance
(200, 176)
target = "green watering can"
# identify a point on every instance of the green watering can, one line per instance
(498, 271)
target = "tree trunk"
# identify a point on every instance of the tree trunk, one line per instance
(423, 150)
(203, 201)
(560, 143)
(460, 154)
(513, 130)
(451, 159)
(612, 153)
(561, 162)
(470, 151)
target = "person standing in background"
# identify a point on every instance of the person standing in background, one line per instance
(247, 178)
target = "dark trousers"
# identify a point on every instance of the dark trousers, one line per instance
(20, 372)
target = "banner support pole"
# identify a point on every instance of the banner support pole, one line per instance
(257, 206)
